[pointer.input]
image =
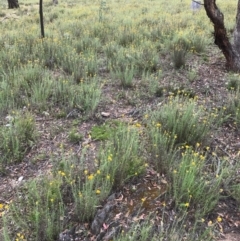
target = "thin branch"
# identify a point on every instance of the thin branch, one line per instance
(198, 2)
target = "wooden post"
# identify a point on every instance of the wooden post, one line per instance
(41, 18)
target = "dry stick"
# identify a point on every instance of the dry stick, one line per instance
(198, 2)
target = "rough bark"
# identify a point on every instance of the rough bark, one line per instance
(13, 4)
(230, 50)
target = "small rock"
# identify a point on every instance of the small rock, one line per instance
(20, 179)
(105, 114)
(111, 197)
(65, 236)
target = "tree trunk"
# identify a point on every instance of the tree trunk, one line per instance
(13, 4)
(230, 50)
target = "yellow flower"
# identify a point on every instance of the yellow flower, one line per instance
(110, 157)
(138, 125)
(98, 171)
(195, 154)
(98, 191)
(86, 172)
(158, 125)
(174, 171)
(186, 204)
(63, 174)
(219, 219)
(202, 157)
(143, 199)
(90, 177)
(20, 236)
(1, 206)
(210, 223)
(108, 176)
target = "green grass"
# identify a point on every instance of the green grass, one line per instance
(18, 135)
(111, 56)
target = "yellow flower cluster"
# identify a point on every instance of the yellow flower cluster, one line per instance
(20, 237)
(61, 173)
(3, 208)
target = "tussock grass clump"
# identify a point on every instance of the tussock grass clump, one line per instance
(179, 46)
(17, 137)
(183, 121)
(74, 136)
(192, 185)
(161, 145)
(150, 81)
(123, 156)
(178, 122)
(198, 42)
(37, 214)
(233, 83)
(235, 191)
(232, 108)
(125, 76)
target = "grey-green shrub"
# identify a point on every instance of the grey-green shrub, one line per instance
(18, 136)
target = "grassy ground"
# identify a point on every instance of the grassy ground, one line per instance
(123, 98)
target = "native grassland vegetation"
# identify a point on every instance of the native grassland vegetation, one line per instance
(88, 46)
